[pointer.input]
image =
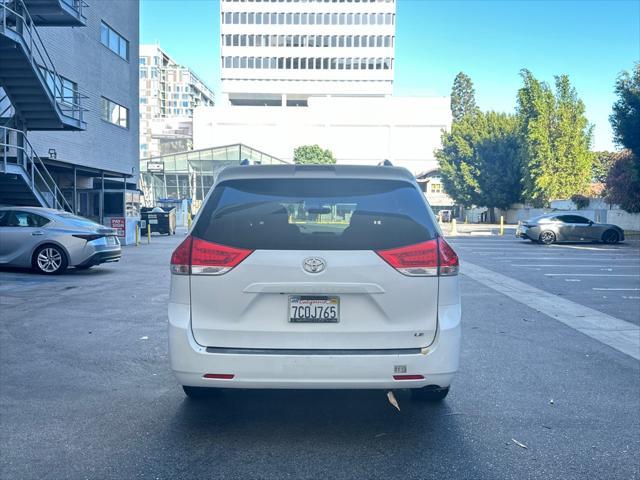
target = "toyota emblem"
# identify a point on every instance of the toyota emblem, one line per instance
(314, 264)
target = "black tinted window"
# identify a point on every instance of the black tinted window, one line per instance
(315, 214)
(572, 219)
(19, 218)
(4, 217)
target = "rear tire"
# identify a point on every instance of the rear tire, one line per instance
(610, 237)
(50, 260)
(547, 237)
(430, 393)
(199, 393)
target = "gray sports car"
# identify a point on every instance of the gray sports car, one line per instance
(49, 240)
(559, 227)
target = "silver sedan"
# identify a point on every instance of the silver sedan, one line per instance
(49, 240)
(559, 227)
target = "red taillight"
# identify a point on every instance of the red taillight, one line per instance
(219, 376)
(181, 258)
(448, 259)
(419, 259)
(434, 257)
(408, 377)
(199, 257)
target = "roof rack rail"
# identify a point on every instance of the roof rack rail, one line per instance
(385, 163)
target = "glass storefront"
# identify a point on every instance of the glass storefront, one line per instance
(190, 175)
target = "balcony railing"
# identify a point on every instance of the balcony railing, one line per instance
(15, 17)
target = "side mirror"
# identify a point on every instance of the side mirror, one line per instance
(590, 222)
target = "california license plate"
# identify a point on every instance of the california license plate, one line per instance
(314, 309)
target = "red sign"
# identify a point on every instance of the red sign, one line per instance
(118, 224)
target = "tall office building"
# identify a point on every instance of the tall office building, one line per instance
(299, 72)
(168, 94)
(283, 52)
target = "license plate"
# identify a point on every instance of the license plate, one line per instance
(314, 309)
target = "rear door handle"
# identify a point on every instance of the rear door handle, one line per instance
(37, 233)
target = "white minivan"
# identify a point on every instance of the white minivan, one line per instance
(315, 276)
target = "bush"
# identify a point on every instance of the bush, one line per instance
(623, 182)
(580, 200)
(312, 154)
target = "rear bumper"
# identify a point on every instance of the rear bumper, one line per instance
(190, 362)
(102, 257)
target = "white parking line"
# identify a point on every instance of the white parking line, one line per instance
(618, 289)
(520, 251)
(619, 334)
(570, 266)
(590, 275)
(533, 257)
(576, 247)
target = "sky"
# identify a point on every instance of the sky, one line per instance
(592, 41)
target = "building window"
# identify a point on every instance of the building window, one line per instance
(63, 89)
(436, 188)
(114, 113)
(114, 41)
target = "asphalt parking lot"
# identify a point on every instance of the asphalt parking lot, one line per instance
(85, 390)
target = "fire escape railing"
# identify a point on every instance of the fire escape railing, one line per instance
(15, 149)
(15, 17)
(77, 5)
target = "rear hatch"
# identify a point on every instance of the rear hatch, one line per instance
(313, 263)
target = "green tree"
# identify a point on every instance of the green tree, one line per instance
(481, 161)
(306, 154)
(623, 185)
(602, 162)
(457, 160)
(625, 118)
(499, 159)
(463, 100)
(556, 137)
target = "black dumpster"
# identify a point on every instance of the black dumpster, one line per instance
(160, 219)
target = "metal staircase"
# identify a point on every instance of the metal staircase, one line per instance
(68, 13)
(24, 178)
(6, 109)
(41, 98)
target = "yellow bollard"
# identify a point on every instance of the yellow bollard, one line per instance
(501, 225)
(137, 234)
(189, 221)
(148, 233)
(454, 229)
(466, 219)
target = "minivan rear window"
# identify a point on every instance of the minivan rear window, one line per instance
(315, 214)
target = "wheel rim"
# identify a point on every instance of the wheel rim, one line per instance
(611, 237)
(547, 237)
(49, 260)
